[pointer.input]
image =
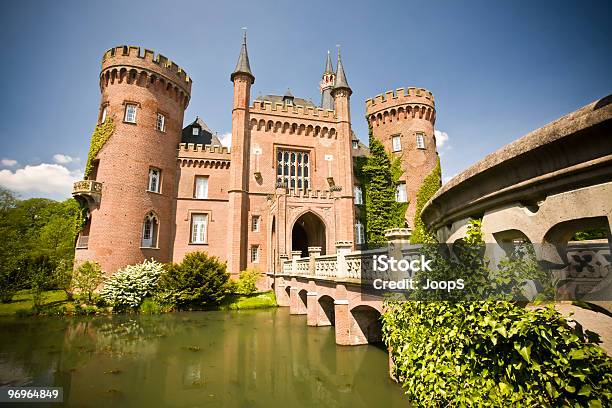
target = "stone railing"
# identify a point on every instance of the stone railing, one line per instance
(326, 266)
(89, 190)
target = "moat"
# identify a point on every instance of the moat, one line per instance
(264, 358)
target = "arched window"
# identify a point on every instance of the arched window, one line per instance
(358, 195)
(150, 227)
(359, 233)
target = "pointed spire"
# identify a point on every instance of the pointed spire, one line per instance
(329, 68)
(341, 81)
(243, 66)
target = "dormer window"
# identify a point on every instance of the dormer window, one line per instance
(195, 131)
(355, 144)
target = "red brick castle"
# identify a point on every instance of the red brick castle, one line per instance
(159, 190)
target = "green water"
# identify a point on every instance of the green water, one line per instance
(263, 358)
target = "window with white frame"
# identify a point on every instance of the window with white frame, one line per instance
(359, 233)
(397, 143)
(103, 115)
(195, 131)
(160, 124)
(400, 193)
(130, 113)
(293, 169)
(420, 141)
(154, 180)
(255, 223)
(358, 195)
(201, 187)
(355, 144)
(149, 231)
(255, 254)
(199, 226)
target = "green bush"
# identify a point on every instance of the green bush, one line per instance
(247, 281)
(150, 306)
(494, 353)
(87, 277)
(11, 281)
(200, 281)
(129, 286)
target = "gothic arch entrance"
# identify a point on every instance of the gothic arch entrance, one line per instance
(308, 231)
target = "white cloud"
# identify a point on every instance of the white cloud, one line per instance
(441, 137)
(64, 158)
(8, 162)
(226, 139)
(43, 180)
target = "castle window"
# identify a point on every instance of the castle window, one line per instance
(103, 115)
(420, 141)
(355, 144)
(154, 180)
(293, 169)
(195, 131)
(400, 193)
(201, 187)
(255, 254)
(359, 233)
(358, 195)
(199, 227)
(161, 123)
(130, 113)
(255, 223)
(397, 143)
(149, 231)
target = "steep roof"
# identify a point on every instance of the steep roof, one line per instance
(341, 81)
(204, 136)
(243, 66)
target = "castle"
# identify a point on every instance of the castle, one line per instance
(159, 190)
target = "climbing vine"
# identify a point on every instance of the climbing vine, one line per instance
(430, 185)
(379, 173)
(100, 136)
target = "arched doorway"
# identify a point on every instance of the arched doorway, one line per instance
(308, 231)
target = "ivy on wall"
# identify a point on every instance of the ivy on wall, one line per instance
(100, 136)
(378, 173)
(430, 185)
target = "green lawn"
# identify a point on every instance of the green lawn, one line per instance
(255, 301)
(22, 302)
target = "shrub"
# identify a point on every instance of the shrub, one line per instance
(247, 282)
(10, 283)
(494, 353)
(199, 281)
(129, 286)
(62, 277)
(86, 279)
(151, 306)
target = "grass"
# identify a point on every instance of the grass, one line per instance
(255, 301)
(22, 302)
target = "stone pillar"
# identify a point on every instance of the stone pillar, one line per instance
(294, 257)
(343, 322)
(282, 259)
(342, 249)
(398, 239)
(322, 319)
(294, 299)
(313, 253)
(312, 309)
(280, 290)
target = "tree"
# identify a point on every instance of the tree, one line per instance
(430, 185)
(87, 277)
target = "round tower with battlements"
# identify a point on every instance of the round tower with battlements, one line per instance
(403, 120)
(130, 180)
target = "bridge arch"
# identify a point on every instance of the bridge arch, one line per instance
(326, 314)
(366, 325)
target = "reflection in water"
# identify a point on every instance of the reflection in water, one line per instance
(218, 359)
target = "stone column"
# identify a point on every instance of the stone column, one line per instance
(294, 257)
(342, 249)
(398, 239)
(313, 253)
(343, 322)
(312, 308)
(294, 299)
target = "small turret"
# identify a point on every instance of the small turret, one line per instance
(341, 82)
(327, 84)
(243, 66)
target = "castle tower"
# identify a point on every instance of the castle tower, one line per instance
(345, 210)
(243, 78)
(403, 120)
(130, 179)
(327, 84)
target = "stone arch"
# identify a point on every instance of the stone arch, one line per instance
(253, 124)
(392, 115)
(367, 325)
(270, 125)
(261, 125)
(278, 125)
(385, 116)
(308, 229)
(303, 300)
(294, 128)
(324, 131)
(317, 131)
(326, 311)
(309, 130)
(301, 129)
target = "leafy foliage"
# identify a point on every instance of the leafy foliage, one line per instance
(379, 174)
(198, 281)
(129, 286)
(596, 233)
(431, 184)
(87, 277)
(247, 282)
(100, 136)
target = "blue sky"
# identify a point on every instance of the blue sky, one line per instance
(497, 69)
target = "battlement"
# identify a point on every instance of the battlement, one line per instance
(137, 57)
(202, 148)
(400, 96)
(307, 112)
